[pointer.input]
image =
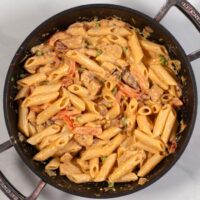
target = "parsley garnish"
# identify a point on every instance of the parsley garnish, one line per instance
(77, 118)
(124, 49)
(22, 75)
(99, 52)
(103, 159)
(124, 121)
(111, 184)
(12, 79)
(163, 60)
(97, 25)
(81, 69)
(114, 90)
(38, 53)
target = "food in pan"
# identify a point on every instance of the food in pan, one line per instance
(100, 102)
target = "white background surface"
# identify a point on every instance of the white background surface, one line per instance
(19, 17)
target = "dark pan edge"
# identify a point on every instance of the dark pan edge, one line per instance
(5, 100)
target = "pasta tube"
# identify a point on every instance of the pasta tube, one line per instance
(40, 99)
(125, 168)
(53, 164)
(171, 119)
(43, 89)
(52, 110)
(144, 124)
(50, 150)
(135, 47)
(88, 117)
(85, 61)
(161, 72)
(149, 141)
(32, 79)
(161, 120)
(22, 121)
(106, 168)
(37, 138)
(94, 167)
(150, 164)
(109, 133)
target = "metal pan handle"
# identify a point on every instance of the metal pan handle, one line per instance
(190, 12)
(8, 189)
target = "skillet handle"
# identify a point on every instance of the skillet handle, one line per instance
(189, 11)
(8, 189)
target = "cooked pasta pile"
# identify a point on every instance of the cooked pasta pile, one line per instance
(99, 103)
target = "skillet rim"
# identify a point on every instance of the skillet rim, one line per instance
(186, 62)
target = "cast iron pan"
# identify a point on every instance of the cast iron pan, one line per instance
(60, 22)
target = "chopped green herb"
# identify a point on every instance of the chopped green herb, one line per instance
(124, 49)
(45, 82)
(78, 117)
(97, 24)
(99, 52)
(163, 60)
(111, 184)
(103, 159)
(22, 75)
(114, 90)
(95, 18)
(81, 69)
(123, 121)
(12, 79)
(120, 77)
(38, 53)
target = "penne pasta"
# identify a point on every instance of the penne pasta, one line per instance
(32, 79)
(170, 121)
(161, 120)
(127, 178)
(53, 164)
(109, 133)
(99, 102)
(150, 164)
(94, 167)
(22, 120)
(85, 61)
(144, 124)
(149, 141)
(125, 168)
(135, 47)
(23, 92)
(40, 99)
(161, 72)
(43, 89)
(52, 110)
(37, 138)
(113, 112)
(50, 150)
(106, 168)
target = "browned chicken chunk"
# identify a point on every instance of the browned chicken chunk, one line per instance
(128, 78)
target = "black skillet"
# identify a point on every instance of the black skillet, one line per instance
(62, 21)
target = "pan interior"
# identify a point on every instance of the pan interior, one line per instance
(60, 22)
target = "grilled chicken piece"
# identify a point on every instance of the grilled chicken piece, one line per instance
(74, 42)
(86, 78)
(130, 80)
(89, 80)
(95, 87)
(59, 46)
(155, 92)
(83, 140)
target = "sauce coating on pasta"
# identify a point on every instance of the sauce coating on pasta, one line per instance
(100, 102)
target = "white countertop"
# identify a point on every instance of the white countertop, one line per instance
(19, 17)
